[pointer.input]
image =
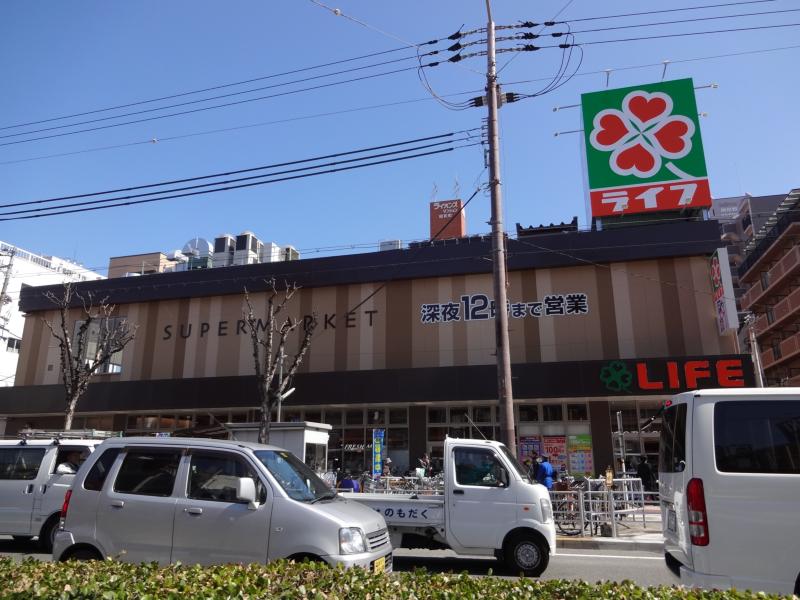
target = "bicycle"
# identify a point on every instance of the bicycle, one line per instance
(567, 512)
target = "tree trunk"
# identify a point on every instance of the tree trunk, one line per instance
(266, 412)
(70, 412)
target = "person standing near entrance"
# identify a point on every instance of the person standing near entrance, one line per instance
(544, 472)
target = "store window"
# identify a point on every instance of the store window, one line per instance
(552, 412)
(315, 416)
(354, 417)
(459, 414)
(528, 413)
(577, 412)
(482, 414)
(398, 416)
(376, 417)
(333, 417)
(92, 338)
(437, 415)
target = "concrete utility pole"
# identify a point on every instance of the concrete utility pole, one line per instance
(750, 319)
(4, 318)
(505, 396)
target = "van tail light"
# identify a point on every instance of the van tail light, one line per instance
(698, 516)
(65, 506)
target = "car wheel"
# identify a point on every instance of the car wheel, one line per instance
(48, 534)
(526, 554)
(83, 554)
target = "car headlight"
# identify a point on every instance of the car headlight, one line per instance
(547, 509)
(352, 541)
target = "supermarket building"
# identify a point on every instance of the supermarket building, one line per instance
(601, 322)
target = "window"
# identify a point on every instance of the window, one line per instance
(764, 280)
(437, 415)
(92, 339)
(99, 471)
(13, 345)
(482, 414)
(213, 476)
(475, 466)
(528, 413)
(354, 417)
(297, 480)
(397, 438)
(71, 457)
(577, 412)
(398, 416)
(672, 455)
(459, 414)
(757, 437)
(20, 463)
(770, 315)
(376, 416)
(552, 412)
(148, 472)
(333, 417)
(314, 416)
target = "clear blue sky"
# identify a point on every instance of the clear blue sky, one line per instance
(67, 57)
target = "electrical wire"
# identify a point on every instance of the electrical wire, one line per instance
(224, 105)
(215, 87)
(228, 181)
(191, 102)
(236, 172)
(670, 10)
(56, 210)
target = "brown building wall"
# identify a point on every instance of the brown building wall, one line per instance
(152, 262)
(650, 308)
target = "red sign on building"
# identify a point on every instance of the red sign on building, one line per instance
(448, 220)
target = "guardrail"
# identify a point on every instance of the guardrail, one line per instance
(592, 509)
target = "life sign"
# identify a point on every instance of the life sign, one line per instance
(643, 149)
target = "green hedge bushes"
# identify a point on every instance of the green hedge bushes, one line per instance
(111, 580)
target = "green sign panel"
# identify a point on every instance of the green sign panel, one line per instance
(643, 149)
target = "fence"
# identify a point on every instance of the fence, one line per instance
(589, 508)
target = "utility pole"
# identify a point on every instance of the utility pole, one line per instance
(6, 279)
(504, 390)
(750, 320)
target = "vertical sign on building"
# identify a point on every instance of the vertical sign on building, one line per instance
(722, 291)
(643, 149)
(448, 220)
(378, 451)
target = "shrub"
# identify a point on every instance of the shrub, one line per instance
(110, 580)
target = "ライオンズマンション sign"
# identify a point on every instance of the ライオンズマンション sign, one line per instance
(643, 149)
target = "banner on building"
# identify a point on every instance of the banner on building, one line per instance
(555, 448)
(580, 455)
(528, 446)
(643, 149)
(722, 291)
(378, 451)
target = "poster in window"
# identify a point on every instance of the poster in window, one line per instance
(529, 445)
(555, 448)
(580, 455)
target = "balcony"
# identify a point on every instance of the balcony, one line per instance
(785, 267)
(764, 245)
(789, 348)
(783, 309)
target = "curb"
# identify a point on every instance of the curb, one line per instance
(578, 543)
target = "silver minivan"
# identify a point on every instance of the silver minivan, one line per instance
(202, 501)
(729, 477)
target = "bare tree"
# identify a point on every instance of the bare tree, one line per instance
(269, 337)
(87, 345)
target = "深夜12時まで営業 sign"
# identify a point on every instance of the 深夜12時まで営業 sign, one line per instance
(643, 149)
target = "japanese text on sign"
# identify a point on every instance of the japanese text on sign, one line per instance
(479, 307)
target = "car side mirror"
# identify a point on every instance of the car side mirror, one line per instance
(246, 492)
(503, 478)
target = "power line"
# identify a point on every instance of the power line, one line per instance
(236, 172)
(216, 183)
(238, 186)
(224, 105)
(190, 102)
(669, 10)
(215, 87)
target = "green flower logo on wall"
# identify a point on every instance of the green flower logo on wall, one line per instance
(616, 376)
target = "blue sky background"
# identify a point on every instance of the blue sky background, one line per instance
(61, 58)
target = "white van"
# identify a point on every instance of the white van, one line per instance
(35, 472)
(203, 501)
(729, 474)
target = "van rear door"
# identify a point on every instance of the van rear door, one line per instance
(751, 476)
(674, 471)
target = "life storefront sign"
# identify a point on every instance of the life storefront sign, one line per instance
(643, 149)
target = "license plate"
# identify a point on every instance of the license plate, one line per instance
(672, 523)
(380, 565)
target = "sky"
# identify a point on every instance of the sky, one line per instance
(65, 58)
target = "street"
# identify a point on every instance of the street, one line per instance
(646, 569)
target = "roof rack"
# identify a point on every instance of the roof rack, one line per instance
(66, 434)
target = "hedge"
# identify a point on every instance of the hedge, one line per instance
(110, 580)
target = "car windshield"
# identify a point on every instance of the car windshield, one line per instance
(299, 482)
(515, 463)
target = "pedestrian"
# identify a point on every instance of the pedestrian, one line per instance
(544, 472)
(387, 467)
(645, 473)
(425, 463)
(348, 483)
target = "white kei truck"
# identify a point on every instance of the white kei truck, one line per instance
(489, 507)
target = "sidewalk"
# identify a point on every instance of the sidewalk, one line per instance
(632, 535)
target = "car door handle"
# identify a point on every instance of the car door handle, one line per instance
(193, 510)
(461, 492)
(117, 503)
(28, 489)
